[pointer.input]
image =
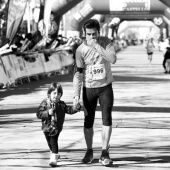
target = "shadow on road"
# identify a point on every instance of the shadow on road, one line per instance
(34, 85)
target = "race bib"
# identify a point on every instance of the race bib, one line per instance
(98, 72)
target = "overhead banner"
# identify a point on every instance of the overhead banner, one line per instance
(85, 11)
(16, 10)
(129, 5)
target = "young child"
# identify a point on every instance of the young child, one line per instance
(52, 113)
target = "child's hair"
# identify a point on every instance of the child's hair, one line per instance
(91, 23)
(54, 86)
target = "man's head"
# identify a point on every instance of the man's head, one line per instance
(91, 29)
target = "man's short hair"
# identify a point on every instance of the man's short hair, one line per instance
(91, 23)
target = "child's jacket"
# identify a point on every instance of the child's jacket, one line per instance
(60, 109)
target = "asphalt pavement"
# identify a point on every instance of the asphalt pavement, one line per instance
(141, 120)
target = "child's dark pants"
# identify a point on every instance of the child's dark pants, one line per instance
(52, 142)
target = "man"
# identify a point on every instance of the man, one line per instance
(166, 57)
(94, 72)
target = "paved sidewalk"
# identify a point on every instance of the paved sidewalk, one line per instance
(141, 120)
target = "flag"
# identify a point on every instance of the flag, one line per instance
(16, 10)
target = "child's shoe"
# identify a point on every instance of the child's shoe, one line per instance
(53, 159)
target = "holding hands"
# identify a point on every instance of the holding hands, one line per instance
(76, 103)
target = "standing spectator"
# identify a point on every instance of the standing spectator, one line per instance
(94, 72)
(53, 27)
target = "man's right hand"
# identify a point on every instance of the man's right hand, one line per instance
(76, 100)
(91, 42)
(50, 112)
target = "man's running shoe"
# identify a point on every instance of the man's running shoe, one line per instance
(88, 158)
(105, 158)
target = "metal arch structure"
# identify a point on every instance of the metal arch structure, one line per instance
(166, 2)
(58, 7)
(135, 24)
(141, 17)
(126, 10)
(80, 10)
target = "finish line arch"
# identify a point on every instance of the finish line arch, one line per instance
(125, 10)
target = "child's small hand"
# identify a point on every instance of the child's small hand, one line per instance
(78, 106)
(50, 111)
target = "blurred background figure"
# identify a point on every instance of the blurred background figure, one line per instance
(166, 61)
(149, 47)
(52, 27)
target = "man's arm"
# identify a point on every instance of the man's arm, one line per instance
(108, 54)
(78, 76)
(77, 83)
